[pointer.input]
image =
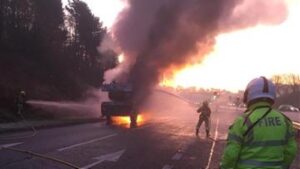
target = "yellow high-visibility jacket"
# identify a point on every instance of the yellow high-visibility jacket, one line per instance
(269, 144)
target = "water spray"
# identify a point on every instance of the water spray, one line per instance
(177, 97)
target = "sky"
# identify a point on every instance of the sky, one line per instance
(243, 55)
(238, 56)
(106, 10)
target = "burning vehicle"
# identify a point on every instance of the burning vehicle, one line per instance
(121, 103)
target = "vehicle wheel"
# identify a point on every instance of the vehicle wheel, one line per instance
(108, 120)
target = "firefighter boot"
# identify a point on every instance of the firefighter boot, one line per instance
(197, 132)
(207, 133)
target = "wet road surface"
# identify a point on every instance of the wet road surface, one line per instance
(166, 142)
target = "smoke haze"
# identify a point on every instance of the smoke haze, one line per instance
(159, 34)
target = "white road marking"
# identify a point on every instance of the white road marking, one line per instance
(213, 146)
(10, 145)
(167, 167)
(177, 156)
(113, 157)
(87, 142)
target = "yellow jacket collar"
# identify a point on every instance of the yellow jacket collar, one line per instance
(258, 104)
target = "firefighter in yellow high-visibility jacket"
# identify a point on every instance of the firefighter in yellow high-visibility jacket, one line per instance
(261, 138)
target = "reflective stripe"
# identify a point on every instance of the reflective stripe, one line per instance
(249, 136)
(235, 138)
(266, 143)
(248, 123)
(261, 163)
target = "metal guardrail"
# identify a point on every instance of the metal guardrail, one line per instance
(296, 125)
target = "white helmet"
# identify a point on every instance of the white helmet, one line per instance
(22, 92)
(259, 88)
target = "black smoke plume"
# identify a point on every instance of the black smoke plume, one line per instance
(155, 35)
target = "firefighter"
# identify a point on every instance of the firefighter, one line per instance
(21, 102)
(205, 112)
(261, 138)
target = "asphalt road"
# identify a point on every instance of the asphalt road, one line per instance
(294, 116)
(166, 142)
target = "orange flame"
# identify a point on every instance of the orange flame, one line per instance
(125, 120)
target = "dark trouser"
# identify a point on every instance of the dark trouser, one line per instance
(20, 108)
(200, 121)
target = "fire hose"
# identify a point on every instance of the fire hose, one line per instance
(34, 132)
(42, 156)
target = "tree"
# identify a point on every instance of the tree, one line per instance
(287, 83)
(294, 81)
(16, 24)
(2, 5)
(31, 45)
(50, 36)
(49, 25)
(278, 81)
(50, 55)
(288, 88)
(86, 35)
